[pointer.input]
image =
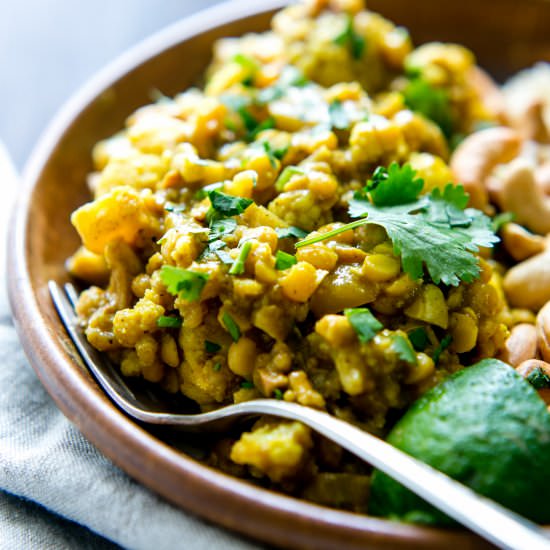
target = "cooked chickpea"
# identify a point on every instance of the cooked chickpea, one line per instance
(241, 357)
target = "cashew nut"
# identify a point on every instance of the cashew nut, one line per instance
(543, 331)
(490, 94)
(477, 156)
(542, 177)
(527, 284)
(519, 243)
(520, 194)
(521, 345)
(532, 124)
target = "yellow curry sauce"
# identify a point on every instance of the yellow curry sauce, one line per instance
(198, 205)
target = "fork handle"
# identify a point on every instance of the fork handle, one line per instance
(483, 516)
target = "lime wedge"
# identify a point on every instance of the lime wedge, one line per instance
(484, 426)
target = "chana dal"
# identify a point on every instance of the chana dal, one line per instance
(298, 229)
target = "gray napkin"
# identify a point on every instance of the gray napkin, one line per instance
(56, 490)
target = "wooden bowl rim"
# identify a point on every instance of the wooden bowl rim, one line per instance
(223, 499)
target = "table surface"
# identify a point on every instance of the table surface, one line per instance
(49, 49)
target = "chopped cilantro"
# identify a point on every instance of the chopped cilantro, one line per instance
(365, 324)
(433, 232)
(166, 321)
(290, 77)
(203, 192)
(217, 367)
(500, 220)
(228, 205)
(433, 103)
(291, 231)
(247, 385)
(231, 326)
(348, 37)
(221, 228)
(338, 116)
(284, 261)
(538, 379)
(183, 282)
(273, 159)
(418, 337)
(277, 393)
(399, 185)
(223, 256)
(211, 347)
(175, 208)
(266, 124)
(285, 176)
(247, 62)
(402, 347)
(238, 265)
(443, 345)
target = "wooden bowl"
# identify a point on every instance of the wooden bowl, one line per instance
(505, 34)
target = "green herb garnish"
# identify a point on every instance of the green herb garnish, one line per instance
(284, 261)
(285, 176)
(348, 37)
(443, 345)
(247, 385)
(500, 220)
(538, 379)
(277, 393)
(231, 326)
(183, 282)
(433, 103)
(217, 367)
(418, 337)
(238, 265)
(433, 232)
(338, 116)
(211, 347)
(291, 231)
(365, 324)
(402, 347)
(203, 192)
(166, 321)
(290, 77)
(227, 205)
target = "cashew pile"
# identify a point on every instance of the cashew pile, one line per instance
(508, 167)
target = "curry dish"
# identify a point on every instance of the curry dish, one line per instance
(337, 219)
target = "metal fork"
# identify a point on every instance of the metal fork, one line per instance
(483, 516)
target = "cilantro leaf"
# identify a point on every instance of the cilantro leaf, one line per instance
(247, 385)
(337, 115)
(217, 367)
(211, 347)
(228, 205)
(278, 393)
(220, 228)
(348, 37)
(183, 282)
(248, 63)
(433, 103)
(290, 77)
(394, 185)
(238, 265)
(231, 326)
(365, 324)
(432, 232)
(168, 321)
(418, 337)
(538, 379)
(291, 231)
(284, 261)
(402, 347)
(443, 345)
